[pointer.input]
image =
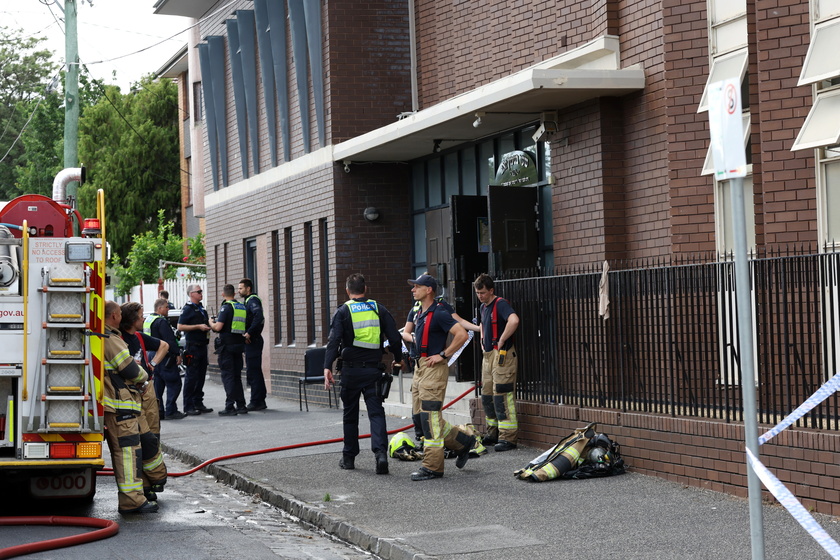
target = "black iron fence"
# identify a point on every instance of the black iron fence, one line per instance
(670, 344)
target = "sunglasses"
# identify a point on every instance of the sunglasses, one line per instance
(197, 292)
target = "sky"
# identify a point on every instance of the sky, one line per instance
(122, 36)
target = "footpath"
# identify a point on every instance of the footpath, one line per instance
(481, 511)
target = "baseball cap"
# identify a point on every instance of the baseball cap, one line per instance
(425, 280)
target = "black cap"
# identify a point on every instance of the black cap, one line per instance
(425, 280)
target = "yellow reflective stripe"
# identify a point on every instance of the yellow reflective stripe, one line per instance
(551, 471)
(492, 422)
(573, 454)
(433, 443)
(131, 482)
(155, 463)
(121, 405)
(121, 356)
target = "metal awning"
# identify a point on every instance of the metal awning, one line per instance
(585, 73)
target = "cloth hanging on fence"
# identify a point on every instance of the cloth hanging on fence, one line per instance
(604, 293)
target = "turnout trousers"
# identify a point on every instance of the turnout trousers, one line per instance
(122, 432)
(253, 370)
(355, 384)
(498, 397)
(151, 457)
(428, 390)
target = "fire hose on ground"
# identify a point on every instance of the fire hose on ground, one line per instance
(107, 528)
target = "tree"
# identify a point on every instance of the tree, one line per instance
(147, 250)
(129, 146)
(43, 139)
(24, 74)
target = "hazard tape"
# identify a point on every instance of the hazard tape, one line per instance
(799, 513)
(822, 393)
(778, 489)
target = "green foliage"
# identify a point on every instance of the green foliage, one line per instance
(129, 146)
(147, 250)
(195, 246)
(25, 71)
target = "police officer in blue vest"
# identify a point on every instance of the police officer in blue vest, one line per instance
(357, 330)
(229, 346)
(254, 323)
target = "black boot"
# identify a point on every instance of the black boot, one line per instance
(381, 463)
(347, 462)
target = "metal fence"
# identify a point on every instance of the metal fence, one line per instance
(670, 344)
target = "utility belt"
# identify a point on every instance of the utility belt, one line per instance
(363, 365)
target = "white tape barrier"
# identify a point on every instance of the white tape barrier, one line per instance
(799, 513)
(779, 490)
(822, 393)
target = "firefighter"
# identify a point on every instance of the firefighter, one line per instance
(356, 332)
(433, 323)
(122, 406)
(408, 337)
(229, 346)
(254, 323)
(498, 324)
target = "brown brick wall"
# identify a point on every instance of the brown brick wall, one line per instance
(702, 453)
(788, 178)
(368, 66)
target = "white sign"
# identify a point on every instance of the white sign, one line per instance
(727, 130)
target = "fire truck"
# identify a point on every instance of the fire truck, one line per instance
(52, 298)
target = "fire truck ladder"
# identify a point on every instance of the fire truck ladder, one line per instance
(64, 380)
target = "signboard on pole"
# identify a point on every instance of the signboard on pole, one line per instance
(727, 130)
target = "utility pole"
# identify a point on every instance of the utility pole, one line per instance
(71, 92)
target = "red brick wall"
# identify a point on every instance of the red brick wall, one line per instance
(699, 452)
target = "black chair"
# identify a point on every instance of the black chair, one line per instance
(313, 366)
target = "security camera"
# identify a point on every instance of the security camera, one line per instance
(347, 163)
(539, 134)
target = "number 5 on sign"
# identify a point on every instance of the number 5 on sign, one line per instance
(726, 129)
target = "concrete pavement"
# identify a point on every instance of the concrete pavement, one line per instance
(481, 511)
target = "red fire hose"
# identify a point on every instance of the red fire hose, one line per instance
(110, 472)
(107, 528)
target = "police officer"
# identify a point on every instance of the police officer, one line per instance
(195, 325)
(121, 402)
(254, 323)
(167, 377)
(357, 330)
(433, 324)
(498, 367)
(229, 346)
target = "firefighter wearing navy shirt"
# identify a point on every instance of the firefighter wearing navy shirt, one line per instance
(230, 346)
(254, 323)
(432, 325)
(356, 332)
(195, 325)
(498, 323)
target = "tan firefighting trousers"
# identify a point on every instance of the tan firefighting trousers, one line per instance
(154, 469)
(498, 395)
(122, 432)
(428, 390)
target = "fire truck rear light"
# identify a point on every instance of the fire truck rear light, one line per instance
(89, 450)
(36, 450)
(62, 450)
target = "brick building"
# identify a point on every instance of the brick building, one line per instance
(392, 137)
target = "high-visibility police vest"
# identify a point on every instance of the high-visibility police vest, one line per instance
(237, 325)
(365, 318)
(147, 324)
